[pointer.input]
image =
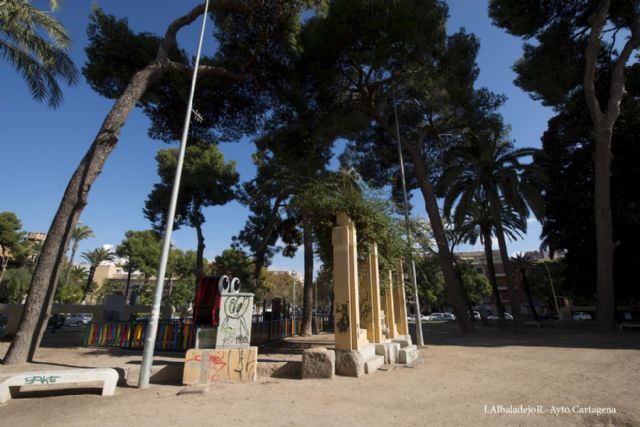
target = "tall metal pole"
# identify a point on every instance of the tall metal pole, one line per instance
(553, 291)
(419, 337)
(152, 327)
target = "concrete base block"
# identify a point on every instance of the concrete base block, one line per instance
(405, 337)
(372, 364)
(169, 373)
(204, 366)
(408, 354)
(402, 341)
(318, 363)
(349, 363)
(389, 350)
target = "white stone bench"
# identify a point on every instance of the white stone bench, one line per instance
(68, 376)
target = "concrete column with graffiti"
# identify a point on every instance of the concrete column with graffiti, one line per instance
(400, 304)
(389, 309)
(345, 279)
(370, 297)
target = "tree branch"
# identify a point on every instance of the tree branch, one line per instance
(596, 21)
(616, 87)
(204, 70)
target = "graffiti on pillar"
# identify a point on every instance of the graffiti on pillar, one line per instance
(365, 307)
(343, 311)
(234, 326)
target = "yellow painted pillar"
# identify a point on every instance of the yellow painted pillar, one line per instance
(345, 282)
(400, 304)
(370, 297)
(389, 313)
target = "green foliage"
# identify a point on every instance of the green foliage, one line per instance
(372, 217)
(552, 67)
(115, 53)
(15, 285)
(540, 286)
(476, 284)
(568, 146)
(142, 251)
(81, 232)
(206, 181)
(71, 292)
(280, 285)
(10, 231)
(36, 45)
(430, 284)
(235, 262)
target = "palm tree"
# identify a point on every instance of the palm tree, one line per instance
(94, 257)
(490, 170)
(473, 222)
(81, 232)
(523, 263)
(40, 60)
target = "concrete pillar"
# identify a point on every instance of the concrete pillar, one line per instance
(400, 304)
(345, 282)
(370, 297)
(389, 313)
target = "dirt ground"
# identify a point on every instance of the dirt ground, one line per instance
(478, 380)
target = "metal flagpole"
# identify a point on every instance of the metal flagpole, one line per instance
(152, 327)
(419, 337)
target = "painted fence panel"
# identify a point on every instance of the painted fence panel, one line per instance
(179, 335)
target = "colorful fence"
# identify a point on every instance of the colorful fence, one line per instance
(179, 335)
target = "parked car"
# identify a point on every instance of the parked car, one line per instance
(581, 315)
(56, 321)
(507, 316)
(437, 316)
(425, 318)
(77, 320)
(476, 315)
(449, 316)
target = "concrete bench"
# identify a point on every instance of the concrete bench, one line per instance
(68, 376)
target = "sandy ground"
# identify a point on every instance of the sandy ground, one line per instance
(460, 381)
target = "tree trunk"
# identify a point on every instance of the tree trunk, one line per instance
(126, 288)
(199, 253)
(603, 122)
(452, 281)
(491, 270)
(5, 262)
(45, 276)
(514, 294)
(527, 290)
(87, 288)
(307, 303)
(74, 249)
(604, 231)
(455, 290)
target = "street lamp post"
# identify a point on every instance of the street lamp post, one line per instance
(553, 291)
(152, 327)
(419, 337)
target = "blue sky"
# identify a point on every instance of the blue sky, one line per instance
(41, 147)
